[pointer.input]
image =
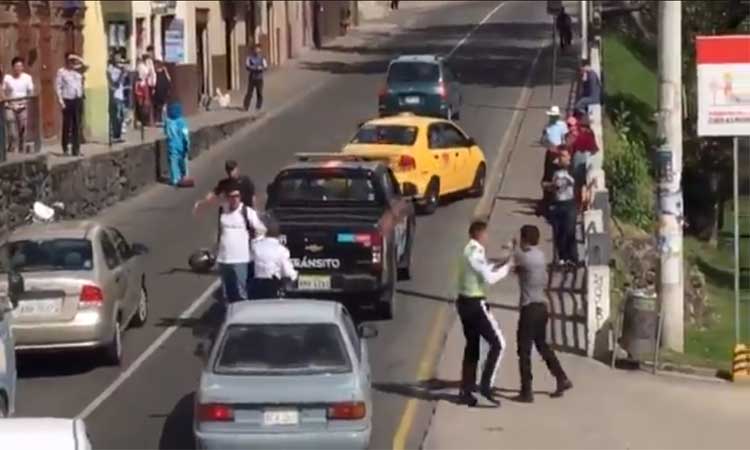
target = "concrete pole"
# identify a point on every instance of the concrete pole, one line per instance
(583, 16)
(671, 277)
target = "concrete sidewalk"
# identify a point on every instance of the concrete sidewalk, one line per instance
(607, 408)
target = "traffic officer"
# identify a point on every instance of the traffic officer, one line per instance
(475, 273)
(273, 264)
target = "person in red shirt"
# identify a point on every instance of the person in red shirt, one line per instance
(583, 148)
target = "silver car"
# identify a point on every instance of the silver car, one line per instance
(8, 375)
(286, 374)
(83, 285)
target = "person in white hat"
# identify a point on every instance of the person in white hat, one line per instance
(553, 138)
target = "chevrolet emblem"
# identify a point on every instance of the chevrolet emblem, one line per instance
(315, 248)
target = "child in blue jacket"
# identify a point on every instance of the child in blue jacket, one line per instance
(178, 144)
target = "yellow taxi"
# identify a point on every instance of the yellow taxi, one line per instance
(434, 155)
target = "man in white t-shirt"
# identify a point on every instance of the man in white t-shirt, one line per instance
(238, 225)
(17, 85)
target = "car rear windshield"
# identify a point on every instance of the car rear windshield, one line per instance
(47, 255)
(386, 135)
(283, 349)
(325, 187)
(413, 72)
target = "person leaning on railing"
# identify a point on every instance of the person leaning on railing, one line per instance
(17, 87)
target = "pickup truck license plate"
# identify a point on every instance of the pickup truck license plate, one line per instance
(411, 100)
(314, 283)
(280, 417)
(32, 308)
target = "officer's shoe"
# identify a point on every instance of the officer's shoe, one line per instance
(524, 397)
(563, 385)
(487, 393)
(466, 398)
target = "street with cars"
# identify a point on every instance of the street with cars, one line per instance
(387, 249)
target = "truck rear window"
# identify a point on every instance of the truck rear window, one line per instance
(321, 187)
(386, 135)
(413, 72)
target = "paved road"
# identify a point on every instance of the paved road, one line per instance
(152, 408)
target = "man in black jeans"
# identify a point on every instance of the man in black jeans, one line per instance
(531, 268)
(256, 66)
(69, 89)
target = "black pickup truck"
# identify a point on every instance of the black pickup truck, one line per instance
(349, 229)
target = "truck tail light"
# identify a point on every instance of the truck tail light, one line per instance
(383, 91)
(347, 411)
(406, 163)
(215, 412)
(91, 297)
(442, 90)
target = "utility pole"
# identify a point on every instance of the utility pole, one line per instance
(669, 163)
(583, 16)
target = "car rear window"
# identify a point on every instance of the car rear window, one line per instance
(386, 135)
(413, 72)
(283, 349)
(325, 187)
(47, 255)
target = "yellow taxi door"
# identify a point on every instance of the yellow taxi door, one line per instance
(459, 145)
(442, 157)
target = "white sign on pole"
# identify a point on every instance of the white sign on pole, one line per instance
(723, 85)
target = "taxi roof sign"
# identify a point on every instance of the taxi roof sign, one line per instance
(343, 157)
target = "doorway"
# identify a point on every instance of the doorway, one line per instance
(230, 48)
(202, 52)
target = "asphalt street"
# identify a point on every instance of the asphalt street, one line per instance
(151, 406)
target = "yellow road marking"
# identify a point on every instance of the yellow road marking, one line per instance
(426, 365)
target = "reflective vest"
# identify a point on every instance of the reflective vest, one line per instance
(470, 283)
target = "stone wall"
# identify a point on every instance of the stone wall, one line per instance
(89, 185)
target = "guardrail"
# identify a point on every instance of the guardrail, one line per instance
(596, 219)
(24, 108)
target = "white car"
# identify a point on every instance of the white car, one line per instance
(43, 434)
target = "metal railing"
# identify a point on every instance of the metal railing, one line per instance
(24, 108)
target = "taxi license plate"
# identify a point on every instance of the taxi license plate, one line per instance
(280, 417)
(314, 283)
(411, 100)
(32, 308)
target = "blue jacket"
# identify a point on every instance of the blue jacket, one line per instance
(176, 129)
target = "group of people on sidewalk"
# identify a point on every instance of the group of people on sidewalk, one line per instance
(253, 263)
(476, 273)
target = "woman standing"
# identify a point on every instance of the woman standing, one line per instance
(161, 90)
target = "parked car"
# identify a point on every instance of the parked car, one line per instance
(349, 228)
(286, 374)
(434, 155)
(7, 359)
(423, 84)
(44, 434)
(83, 285)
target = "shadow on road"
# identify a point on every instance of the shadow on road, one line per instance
(565, 295)
(177, 433)
(435, 389)
(56, 365)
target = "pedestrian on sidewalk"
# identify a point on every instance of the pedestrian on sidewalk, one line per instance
(238, 225)
(116, 75)
(394, 4)
(17, 85)
(246, 187)
(144, 89)
(69, 90)
(531, 268)
(563, 212)
(162, 90)
(591, 88)
(272, 264)
(553, 137)
(178, 146)
(256, 66)
(585, 154)
(475, 273)
(564, 25)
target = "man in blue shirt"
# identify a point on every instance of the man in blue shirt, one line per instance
(591, 91)
(556, 129)
(256, 66)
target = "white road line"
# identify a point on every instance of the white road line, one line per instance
(110, 390)
(476, 27)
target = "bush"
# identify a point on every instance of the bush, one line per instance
(628, 171)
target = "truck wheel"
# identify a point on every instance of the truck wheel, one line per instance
(432, 198)
(386, 306)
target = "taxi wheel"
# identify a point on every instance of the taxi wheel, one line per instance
(480, 178)
(431, 198)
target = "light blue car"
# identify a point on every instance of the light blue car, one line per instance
(286, 374)
(7, 359)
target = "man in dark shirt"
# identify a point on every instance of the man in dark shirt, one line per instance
(591, 91)
(564, 26)
(247, 188)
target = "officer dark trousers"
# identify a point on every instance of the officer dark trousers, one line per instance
(477, 322)
(532, 330)
(265, 288)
